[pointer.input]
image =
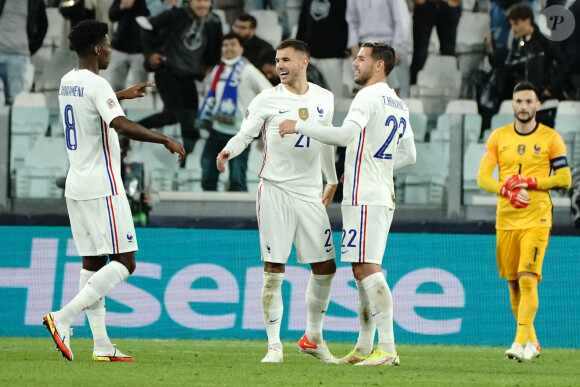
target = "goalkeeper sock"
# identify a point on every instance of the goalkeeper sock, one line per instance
(381, 301)
(366, 334)
(515, 296)
(273, 307)
(317, 299)
(99, 285)
(96, 316)
(528, 307)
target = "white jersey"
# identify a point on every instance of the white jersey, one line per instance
(292, 163)
(368, 168)
(88, 105)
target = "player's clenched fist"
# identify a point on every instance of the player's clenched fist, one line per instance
(287, 127)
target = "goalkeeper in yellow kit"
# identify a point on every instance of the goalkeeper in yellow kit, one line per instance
(526, 152)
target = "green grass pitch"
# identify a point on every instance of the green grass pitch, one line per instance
(35, 362)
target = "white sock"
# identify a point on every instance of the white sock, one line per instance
(96, 316)
(99, 285)
(366, 334)
(273, 307)
(381, 301)
(317, 299)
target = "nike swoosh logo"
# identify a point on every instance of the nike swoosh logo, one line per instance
(273, 321)
(374, 314)
(308, 345)
(328, 250)
(283, 111)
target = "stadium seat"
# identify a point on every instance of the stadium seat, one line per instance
(424, 181)
(414, 105)
(419, 124)
(470, 46)
(60, 63)
(28, 99)
(341, 108)
(499, 120)
(461, 106)
(471, 160)
(438, 83)
(506, 107)
(222, 15)
(36, 178)
(471, 127)
(569, 108)
(268, 27)
(26, 125)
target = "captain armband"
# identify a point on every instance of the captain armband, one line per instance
(559, 162)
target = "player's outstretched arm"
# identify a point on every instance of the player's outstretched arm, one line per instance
(331, 135)
(135, 91)
(134, 131)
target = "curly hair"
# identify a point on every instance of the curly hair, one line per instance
(87, 34)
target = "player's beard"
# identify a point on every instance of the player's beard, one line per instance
(362, 78)
(531, 116)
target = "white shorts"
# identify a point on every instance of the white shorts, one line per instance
(102, 226)
(283, 219)
(364, 233)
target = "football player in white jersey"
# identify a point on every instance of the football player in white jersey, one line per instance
(99, 212)
(378, 139)
(290, 202)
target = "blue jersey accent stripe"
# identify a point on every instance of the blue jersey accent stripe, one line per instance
(113, 231)
(105, 152)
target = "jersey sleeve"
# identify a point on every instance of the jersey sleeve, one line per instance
(107, 103)
(360, 110)
(255, 117)
(490, 154)
(557, 153)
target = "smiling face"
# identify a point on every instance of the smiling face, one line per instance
(291, 65)
(231, 48)
(364, 66)
(525, 104)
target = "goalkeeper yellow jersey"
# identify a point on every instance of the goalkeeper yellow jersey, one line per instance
(534, 154)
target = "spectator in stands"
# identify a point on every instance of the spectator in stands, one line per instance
(531, 56)
(245, 26)
(384, 21)
(500, 29)
(127, 57)
(444, 15)
(322, 25)
(182, 47)
(276, 5)
(23, 26)
(81, 10)
(267, 64)
(234, 84)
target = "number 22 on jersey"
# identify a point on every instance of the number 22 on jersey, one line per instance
(391, 120)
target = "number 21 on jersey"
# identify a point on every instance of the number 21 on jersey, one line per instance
(70, 131)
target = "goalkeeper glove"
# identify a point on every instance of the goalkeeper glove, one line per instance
(518, 197)
(518, 181)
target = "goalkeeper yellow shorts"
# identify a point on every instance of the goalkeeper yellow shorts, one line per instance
(521, 251)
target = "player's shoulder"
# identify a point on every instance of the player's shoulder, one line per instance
(314, 88)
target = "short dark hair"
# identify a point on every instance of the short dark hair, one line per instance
(519, 11)
(247, 17)
(382, 51)
(232, 35)
(266, 56)
(296, 44)
(527, 86)
(87, 34)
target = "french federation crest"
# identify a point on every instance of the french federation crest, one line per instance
(303, 114)
(521, 149)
